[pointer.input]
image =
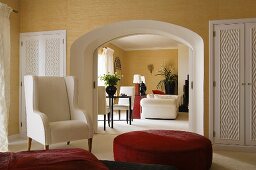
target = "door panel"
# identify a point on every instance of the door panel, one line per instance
(229, 90)
(250, 103)
(43, 54)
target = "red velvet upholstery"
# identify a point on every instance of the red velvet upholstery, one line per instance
(54, 159)
(184, 150)
(157, 92)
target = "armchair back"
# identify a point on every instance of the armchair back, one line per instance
(52, 98)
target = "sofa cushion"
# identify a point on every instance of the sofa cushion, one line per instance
(157, 92)
(176, 97)
(159, 96)
(150, 96)
(55, 159)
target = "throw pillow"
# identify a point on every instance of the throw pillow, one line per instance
(150, 96)
(159, 96)
(157, 92)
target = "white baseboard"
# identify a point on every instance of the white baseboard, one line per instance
(217, 147)
(16, 136)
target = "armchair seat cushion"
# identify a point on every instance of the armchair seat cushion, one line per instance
(121, 107)
(69, 130)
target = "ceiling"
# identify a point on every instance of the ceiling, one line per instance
(145, 42)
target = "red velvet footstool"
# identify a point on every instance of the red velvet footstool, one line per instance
(184, 150)
(54, 159)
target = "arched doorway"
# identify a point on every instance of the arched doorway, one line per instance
(83, 62)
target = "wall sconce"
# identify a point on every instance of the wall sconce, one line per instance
(151, 68)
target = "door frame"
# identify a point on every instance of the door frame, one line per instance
(82, 64)
(212, 64)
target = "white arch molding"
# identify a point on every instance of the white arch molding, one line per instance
(83, 64)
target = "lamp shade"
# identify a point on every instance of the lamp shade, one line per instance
(136, 78)
(142, 79)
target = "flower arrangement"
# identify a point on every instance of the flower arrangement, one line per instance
(110, 79)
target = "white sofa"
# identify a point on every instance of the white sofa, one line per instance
(160, 106)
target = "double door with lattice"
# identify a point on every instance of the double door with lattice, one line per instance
(43, 54)
(235, 84)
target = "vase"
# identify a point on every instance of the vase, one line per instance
(111, 90)
(169, 87)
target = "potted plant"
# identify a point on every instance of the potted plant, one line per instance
(169, 80)
(110, 81)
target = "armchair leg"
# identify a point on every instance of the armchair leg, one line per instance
(46, 147)
(29, 143)
(90, 144)
(68, 142)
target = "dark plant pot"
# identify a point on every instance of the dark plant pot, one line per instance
(111, 90)
(170, 87)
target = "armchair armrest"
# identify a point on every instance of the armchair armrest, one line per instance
(38, 127)
(78, 114)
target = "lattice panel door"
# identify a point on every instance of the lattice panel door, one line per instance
(250, 53)
(229, 91)
(54, 59)
(44, 54)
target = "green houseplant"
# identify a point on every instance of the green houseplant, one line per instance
(110, 81)
(169, 79)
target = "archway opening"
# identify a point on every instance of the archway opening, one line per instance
(83, 63)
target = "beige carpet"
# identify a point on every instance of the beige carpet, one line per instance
(103, 143)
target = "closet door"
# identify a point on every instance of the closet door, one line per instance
(250, 103)
(229, 88)
(43, 54)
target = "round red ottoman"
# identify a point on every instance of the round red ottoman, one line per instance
(184, 150)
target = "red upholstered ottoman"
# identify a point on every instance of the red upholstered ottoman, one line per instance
(54, 159)
(184, 150)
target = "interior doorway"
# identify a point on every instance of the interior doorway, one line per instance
(135, 53)
(84, 63)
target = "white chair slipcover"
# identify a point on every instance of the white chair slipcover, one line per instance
(52, 112)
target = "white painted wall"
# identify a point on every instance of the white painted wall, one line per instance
(183, 66)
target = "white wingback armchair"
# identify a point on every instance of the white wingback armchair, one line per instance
(52, 112)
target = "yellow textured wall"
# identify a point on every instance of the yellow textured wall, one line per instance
(13, 127)
(80, 16)
(136, 62)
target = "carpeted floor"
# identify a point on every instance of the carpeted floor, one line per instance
(103, 143)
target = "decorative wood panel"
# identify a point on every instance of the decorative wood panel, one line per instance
(253, 111)
(44, 54)
(52, 57)
(31, 57)
(229, 84)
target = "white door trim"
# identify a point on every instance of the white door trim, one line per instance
(82, 62)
